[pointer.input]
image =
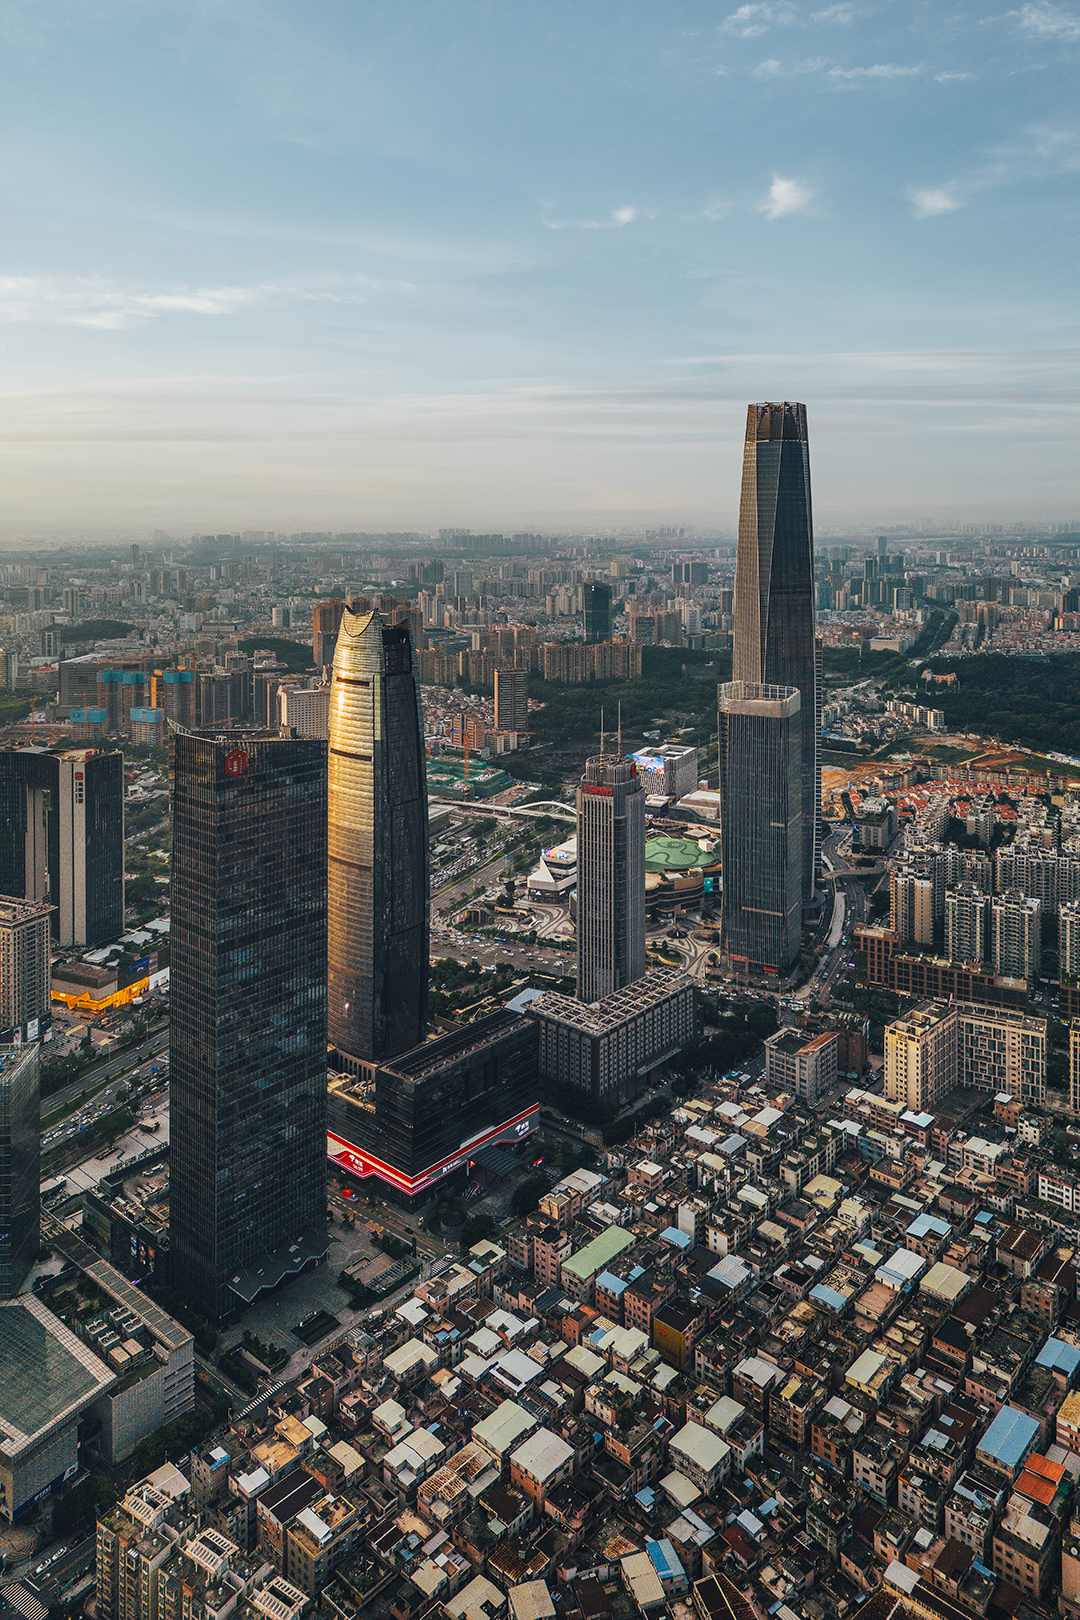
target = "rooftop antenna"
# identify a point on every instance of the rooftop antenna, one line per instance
(620, 728)
(601, 731)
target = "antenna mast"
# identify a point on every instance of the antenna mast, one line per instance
(601, 731)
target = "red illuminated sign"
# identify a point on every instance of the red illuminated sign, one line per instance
(236, 761)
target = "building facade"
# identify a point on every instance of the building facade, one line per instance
(1016, 935)
(920, 1056)
(511, 700)
(611, 877)
(20, 1165)
(25, 986)
(761, 830)
(774, 642)
(325, 623)
(247, 1088)
(378, 904)
(596, 612)
(608, 1051)
(807, 1067)
(967, 923)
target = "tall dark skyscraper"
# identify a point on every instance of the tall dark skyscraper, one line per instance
(774, 588)
(596, 612)
(62, 837)
(378, 905)
(20, 1165)
(761, 825)
(247, 1088)
(611, 876)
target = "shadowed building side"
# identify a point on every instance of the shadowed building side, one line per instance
(377, 903)
(774, 640)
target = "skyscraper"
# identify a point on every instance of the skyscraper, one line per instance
(247, 1085)
(378, 850)
(761, 824)
(774, 589)
(596, 612)
(511, 700)
(1016, 935)
(20, 1165)
(611, 876)
(325, 623)
(62, 837)
(25, 986)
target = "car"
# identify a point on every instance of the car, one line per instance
(538, 1162)
(347, 1192)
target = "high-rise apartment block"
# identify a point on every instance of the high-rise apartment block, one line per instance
(62, 837)
(1069, 940)
(1016, 935)
(761, 788)
(596, 612)
(1074, 1066)
(304, 709)
(967, 923)
(611, 876)
(248, 1013)
(920, 1056)
(325, 623)
(774, 641)
(20, 1165)
(511, 700)
(378, 903)
(911, 907)
(25, 979)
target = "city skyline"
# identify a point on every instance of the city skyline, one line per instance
(313, 305)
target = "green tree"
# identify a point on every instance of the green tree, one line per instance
(528, 1193)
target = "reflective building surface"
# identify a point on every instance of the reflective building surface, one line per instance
(596, 612)
(20, 1165)
(611, 876)
(774, 588)
(761, 824)
(247, 1088)
(378, 846)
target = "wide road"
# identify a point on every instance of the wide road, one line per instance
(120, 1064)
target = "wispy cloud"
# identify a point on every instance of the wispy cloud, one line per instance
(771, 68)
(614, 222)
(948, 78)
(97, 302)
(1048, 21)
(930, 200)
(785, 197)
(879, 70)
(750, 21)
(836, 14)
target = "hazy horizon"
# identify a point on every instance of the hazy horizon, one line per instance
(437, 265)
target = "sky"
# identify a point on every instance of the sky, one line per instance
(355, 265)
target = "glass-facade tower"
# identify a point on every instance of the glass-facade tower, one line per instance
(610, 876)
(761, 825)
(596, 612)
(20, 1165)
(774, 589)
(247, 1087)
(378, 903)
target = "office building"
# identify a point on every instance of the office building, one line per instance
(325, 623)
(511, 700)
(967, 923)
(774, 642)
(304, 709)
(427, 1114)
(25, 986)
(248, 1013)
(807, 1066)
(611, 876)
(911, 907)
(609, 1050)
(62, 838)
(596, 612)
(20, 1165)
(1016, 935)
(761, 791)
(920, 1056)
(378, 846)
(1001, 1049)
(671, 769)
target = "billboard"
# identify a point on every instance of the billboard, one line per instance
(356, 1161)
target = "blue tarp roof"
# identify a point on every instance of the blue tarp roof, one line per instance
(1057, 1354)
(924, 1223)
(1009, 1436)
(610, 1283)
(678, 1240)
(665, 1560)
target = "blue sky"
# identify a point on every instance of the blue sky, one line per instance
(362, 265)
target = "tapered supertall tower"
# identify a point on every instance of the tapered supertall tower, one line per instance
(378, 854)
(774, 589)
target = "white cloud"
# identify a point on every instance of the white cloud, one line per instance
(930, 200)
(785, 197)
(771, 68)
(879, 70)
(1048, 21)
(97, 302)
(948, 78)
(616, 220)
(751, 20)
(835, 14)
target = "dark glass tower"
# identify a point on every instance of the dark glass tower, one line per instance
(761, 825)
(62, 837)
(20, 1165)
(247, 1089)
(611, 876)
(774, 588)
(378, 848)
(596, 612)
